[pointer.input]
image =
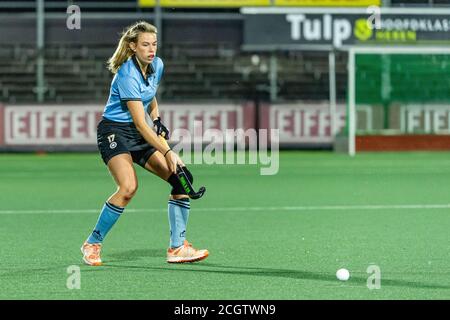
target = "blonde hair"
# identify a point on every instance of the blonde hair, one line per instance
(123, 50)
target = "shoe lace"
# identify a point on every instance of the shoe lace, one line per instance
(95, 250)
(187, 244)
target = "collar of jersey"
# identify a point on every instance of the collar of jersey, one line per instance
(150, 69)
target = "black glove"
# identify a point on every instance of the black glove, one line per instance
(161, 129)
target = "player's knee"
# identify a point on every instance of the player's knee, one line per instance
(177, 188)
(128, 190)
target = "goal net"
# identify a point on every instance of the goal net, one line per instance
(398, 99)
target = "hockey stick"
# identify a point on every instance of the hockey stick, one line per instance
(187, 186)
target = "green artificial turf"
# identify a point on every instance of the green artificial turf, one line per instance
(270, 237)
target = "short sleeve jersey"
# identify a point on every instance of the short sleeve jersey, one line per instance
(129, 84)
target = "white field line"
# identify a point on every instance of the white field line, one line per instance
(281, 208)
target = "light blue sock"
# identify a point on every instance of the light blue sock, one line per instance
(185, 202)
(108, 217)
(178, 216)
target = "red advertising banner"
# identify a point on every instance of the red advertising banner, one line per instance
(303, 123)
(220, 117)
(51, 125)
(66, 125)
(76, 125)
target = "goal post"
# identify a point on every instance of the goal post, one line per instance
(397, 91)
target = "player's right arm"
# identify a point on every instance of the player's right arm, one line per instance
(137, 112)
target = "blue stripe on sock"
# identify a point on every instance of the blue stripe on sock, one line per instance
(114, 208)
(179, 205)
(181, 202)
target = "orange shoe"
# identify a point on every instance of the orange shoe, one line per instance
(185, 253)
(91, 253)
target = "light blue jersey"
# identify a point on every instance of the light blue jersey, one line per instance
(129, 84)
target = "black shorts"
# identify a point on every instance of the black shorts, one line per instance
(114, 138)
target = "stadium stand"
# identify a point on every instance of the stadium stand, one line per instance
(193, 71)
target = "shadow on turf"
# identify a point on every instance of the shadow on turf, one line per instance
(132, 255)
(203, 267)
